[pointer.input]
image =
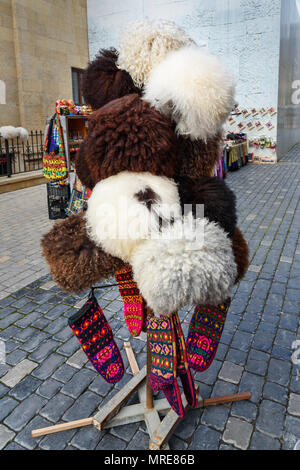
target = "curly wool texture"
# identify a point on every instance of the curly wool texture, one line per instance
(194, 90)
(216, 198)
(75, 262)
(118, 216)
(196, 157)
(172, 273)
(103, 81)
(144, 44)
(127, 134)
(241, 253)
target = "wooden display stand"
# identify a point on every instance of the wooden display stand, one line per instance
(148, 410)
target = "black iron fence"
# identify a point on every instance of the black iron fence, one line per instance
(20, 157)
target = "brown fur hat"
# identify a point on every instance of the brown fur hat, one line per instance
(196, 157)
(76, 263)
(218, 199)
(241, 253)
(103, 81)
(127, 134)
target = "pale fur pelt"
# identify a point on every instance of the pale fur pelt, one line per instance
(173, 273)
(117, 220)
(10, 132)
(144, 44)
(194, 89)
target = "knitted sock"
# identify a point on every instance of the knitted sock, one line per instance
(183, 369)
(96, 338)
(163, 374)
(205, 332)
(134, 305)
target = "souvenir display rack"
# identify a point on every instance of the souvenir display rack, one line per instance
(148, 409)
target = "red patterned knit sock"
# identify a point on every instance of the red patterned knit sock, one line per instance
(134, 305)
(96, 339)
(205, 332)
(183, 369)
(163, 374)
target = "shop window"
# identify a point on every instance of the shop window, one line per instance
(77, 77)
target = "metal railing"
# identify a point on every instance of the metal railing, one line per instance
(20, 157)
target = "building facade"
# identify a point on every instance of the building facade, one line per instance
(245, 34)
(40, 42)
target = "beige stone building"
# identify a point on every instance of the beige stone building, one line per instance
(41, 43)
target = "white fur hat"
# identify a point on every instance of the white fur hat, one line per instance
(173, 273)
(144, 44)
(127, 208)
(193, 88)
(10, 132)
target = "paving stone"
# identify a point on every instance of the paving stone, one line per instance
(260, 441)
(15, 357)
(35, 340)
(275, 392)
(79, 382)
(109, 442)
(205, 439)
(231, 372)
(18, 372)
(57, 441)
(49, 388)
(125, 432)
(24, 412)
(242, 341)
(14, 446)
(222, 388)
(177, 444)
(215, 417)
(78, 360)
(84, 406)
(209, 376)
(24, 437)
(238, 433)
(44, 350)
(69, 347)
(188, 425)
(25, 388)
(7, 404)
(245, 410)
(100, 386)
(270, 418)
(3, 390)
(236, 356)
(292, 432)
(47, 368)
(56, 407)
(64, 373)
(88, 438)
(252, 383)
(294, 404)
(279, 372)
(6, 435)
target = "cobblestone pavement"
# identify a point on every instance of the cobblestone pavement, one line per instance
(47, 380)
(24, 218)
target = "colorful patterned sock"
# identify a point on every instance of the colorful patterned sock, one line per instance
(183, 369)
(163, 374)
(96, 338)
(134, 305)
(205, 332)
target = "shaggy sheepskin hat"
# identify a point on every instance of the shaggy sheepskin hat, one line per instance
(76, 263)
(103, 81)
(174, 272)
(144, 44)
(127, 134)
(127, 208)
(193, 89)
(241, 253)
(218, 200)
(196, 157)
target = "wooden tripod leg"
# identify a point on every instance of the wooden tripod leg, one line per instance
(62, 427)
(225, 399)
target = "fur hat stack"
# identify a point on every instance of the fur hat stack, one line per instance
(146, 154)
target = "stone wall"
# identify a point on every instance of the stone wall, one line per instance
(40, 42)
(244, 33)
